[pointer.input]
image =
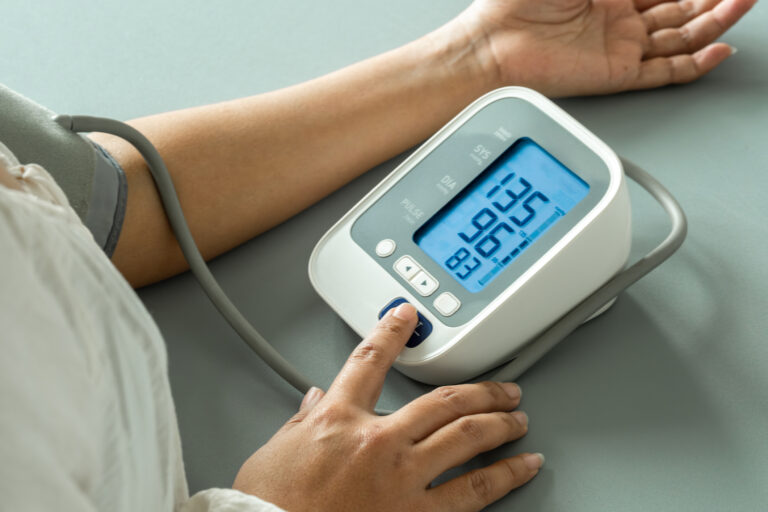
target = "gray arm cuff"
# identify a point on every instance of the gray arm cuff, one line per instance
(92, 180)
(106, 208)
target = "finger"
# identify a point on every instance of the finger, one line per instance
(445, 404)
(680, 69)
(675, 14)
(361, 379)
(457, 442)
(481, 487)
(311, 399)
(698, 32)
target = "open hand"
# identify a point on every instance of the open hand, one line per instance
(336, 454)
(580, 47)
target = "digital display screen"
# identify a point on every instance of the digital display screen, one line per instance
(500, 214)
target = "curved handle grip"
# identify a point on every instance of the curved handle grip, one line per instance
(547, 340)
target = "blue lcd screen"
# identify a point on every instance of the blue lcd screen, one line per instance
(500, 214)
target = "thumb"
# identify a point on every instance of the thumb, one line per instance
(533, 11)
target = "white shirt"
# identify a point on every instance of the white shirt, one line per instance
(87, 422)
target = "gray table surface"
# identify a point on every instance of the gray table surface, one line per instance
(659, 405)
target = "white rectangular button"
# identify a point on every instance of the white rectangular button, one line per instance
(447, 304)
(424, 283)
(407, 268)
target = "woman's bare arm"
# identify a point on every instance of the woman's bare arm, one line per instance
(243, 166)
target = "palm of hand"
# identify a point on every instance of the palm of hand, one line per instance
(576, 47)
(596, 51)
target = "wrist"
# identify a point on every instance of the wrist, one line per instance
(464, 47)
(458, 61)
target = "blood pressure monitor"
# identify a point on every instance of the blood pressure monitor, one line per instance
(494, 229)
(507, 229)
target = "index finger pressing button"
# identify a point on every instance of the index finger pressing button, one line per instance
(423, 326)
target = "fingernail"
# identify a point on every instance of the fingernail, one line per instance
(533, 461)
(733, 50)
(404, 311)
(521, 418)
(312, 397)
(512, 389)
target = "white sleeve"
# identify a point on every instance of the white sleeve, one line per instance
(226, 500)
(86, 414)
(47, 454)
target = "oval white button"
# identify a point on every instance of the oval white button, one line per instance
(385, 247)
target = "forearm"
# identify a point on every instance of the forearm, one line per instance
(243, 166)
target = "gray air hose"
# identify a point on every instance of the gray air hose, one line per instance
(510, 371)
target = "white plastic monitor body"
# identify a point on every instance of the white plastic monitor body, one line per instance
(357, 286)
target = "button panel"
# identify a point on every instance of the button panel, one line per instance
(423, 326)
(416, 276)
(447, 304)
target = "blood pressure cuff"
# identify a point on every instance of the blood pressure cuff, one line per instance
(92, 180)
